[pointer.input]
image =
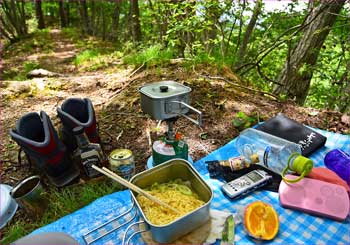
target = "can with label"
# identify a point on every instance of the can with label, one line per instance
(121, 161)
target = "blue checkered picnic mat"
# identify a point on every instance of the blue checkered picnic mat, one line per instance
(295, 227)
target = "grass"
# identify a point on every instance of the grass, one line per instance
(95, 59)
(61, 202)
(151, 56)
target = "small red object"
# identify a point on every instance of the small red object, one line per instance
(178, 136)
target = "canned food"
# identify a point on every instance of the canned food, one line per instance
(121, 162)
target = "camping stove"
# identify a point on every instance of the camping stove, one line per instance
(168, 100)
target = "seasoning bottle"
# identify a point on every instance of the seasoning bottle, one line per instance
(88, 153)
(234, 163)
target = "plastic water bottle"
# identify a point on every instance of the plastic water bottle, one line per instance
(276, 154)
(339, 162)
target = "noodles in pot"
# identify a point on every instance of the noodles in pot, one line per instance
(176, 193)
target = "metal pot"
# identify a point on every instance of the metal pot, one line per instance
(172, 169)
(167, 99)
(30, 195)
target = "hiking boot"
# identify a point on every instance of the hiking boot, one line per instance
(77, 112)
(38, 138)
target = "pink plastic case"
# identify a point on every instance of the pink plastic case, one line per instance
(315, 197)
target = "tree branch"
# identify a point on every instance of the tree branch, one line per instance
(240, 86)
(263, 76)
(277, 43)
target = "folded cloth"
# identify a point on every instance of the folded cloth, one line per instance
(286, 128)
(327, 175)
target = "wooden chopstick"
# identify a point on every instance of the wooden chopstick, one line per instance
(133, 187)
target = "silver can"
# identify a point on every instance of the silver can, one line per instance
(121, 161)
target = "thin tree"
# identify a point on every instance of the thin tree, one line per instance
(248, 32)
(116, 20)
(84, 16)
(135, 21)
(39, 14)
(13, 19)
(294, 79)
(63, 14)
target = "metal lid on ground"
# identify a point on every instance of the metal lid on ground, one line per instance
(8, 205)
(164, 89)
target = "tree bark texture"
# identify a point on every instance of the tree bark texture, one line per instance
(135, 21)
(84, 16)
(248, 32)
(295, 77)
(344, 95)
(116, 20)
(39, 14)
(63, 15)
(13, 23)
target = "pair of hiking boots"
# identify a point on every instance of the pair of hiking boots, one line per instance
(37, 137)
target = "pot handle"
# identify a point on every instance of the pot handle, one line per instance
(198, 121)
(134, 233)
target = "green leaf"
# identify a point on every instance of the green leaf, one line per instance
(238, 122)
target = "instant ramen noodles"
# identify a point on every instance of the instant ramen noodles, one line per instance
(176, 193)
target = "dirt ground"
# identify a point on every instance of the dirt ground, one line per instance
(116, 101)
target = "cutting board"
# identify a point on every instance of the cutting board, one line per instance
(197, 236)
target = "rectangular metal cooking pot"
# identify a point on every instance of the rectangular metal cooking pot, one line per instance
(173, 169)
(166, 106)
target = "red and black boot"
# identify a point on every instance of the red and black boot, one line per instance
(38, 138)
(77, 112)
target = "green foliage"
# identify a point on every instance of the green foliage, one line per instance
(85, 56)
(242, 121)
(73, 34)
(152, 56)
(16, 231)
(30, 65)
(20, 74)
(95, 59)
(38, 41)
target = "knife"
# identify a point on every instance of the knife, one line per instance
(228, 234)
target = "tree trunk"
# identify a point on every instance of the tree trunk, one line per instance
(135, 21)
(67, 13)
(345, 98)
(39, 14)
(212, 15)
(294, 79)
(13, 21)
(103, 22)
(84, 16)
(240, 25)
(243, 47)
(62, 12)
(93, 18)
(115, 20)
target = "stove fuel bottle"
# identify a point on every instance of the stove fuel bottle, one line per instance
(87, 153)
(169, 147)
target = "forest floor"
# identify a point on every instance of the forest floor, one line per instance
(228, 104)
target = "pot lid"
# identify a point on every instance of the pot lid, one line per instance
(8, 205)
(164, 89)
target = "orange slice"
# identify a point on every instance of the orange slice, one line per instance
(261, 220)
